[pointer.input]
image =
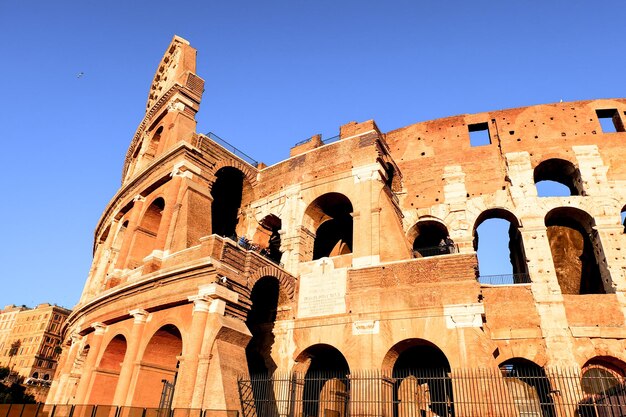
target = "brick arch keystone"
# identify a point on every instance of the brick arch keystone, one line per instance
(286, 281)
(233, 163)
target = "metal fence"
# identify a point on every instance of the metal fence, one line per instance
(428, 251)
(505, 279)
(66, 410)
(432, 393)
(232, 149)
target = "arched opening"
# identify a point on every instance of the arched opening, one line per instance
(107, 373)
(499, 248)
(528, 382)
(158, 369)
(154, 142)
(227, 193)
(146, 233)
(267, 237)
(623, 217)
(557, 178)
(432, 239)
(575, 248)
(261, 317)
(46, 377)
(260, 321)
(600, 375)
(326, 386)
(328, 218)
(35, 375)
(603, 381)
(421, 381)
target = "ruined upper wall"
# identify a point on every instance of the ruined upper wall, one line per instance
(546, 131)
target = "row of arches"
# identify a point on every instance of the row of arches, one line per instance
(157, 368)
(416, 380)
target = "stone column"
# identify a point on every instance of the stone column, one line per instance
(189, 366)
(171, 203)
(121, 396)
(56, 395)
(94, 351)
(547, 295)
(133, 221)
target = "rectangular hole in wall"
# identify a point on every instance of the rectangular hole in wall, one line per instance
(479, 134)
(609, 119)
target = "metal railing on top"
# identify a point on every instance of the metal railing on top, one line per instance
(324, 141)
(428, 251)
(232, 149)
(505, 279)
(67, 410)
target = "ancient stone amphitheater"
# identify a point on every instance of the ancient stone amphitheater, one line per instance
(349, 271)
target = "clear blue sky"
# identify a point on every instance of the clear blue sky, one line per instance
(276, 73)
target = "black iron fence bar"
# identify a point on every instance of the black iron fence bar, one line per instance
(303, 141)
(324, 141)
(331, 139)
(221, 142)
(505, 279)
(428, 251)
(93, 410)
(503, 392)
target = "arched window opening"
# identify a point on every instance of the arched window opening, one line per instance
(267, 238)
(156, 379)
(146, 233)
(432, 239)
(529, 383)
(46, 377)
(421, 378)
(35, 375)
(499, 248)
(557, 178)
(326, 385)
(154, 142)
(575, 249)
(601, 375)
(227, 192)
(603, 381)
(260, 321)
(329, 219)
(107, 373)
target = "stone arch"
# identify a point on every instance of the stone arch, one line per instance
(267, 237)
(322, 371)
(526, 378)
(427, 235)
(248, 173)
(327, 227)
(514, 246)
(576, 252)
(145, 235)
(601, 374)
(561, 171)
(159, 362)
(106, 374)
(286, 281)
(232, 192)
(418, 366)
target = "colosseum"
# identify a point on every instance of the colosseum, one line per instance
(345, 279)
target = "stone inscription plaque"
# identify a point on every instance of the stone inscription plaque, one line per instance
(322, 291)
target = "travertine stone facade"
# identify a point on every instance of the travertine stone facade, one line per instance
(352, 273)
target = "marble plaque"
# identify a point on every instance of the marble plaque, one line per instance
(323, 290)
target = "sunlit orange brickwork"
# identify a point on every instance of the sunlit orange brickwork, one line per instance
(356, 253)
